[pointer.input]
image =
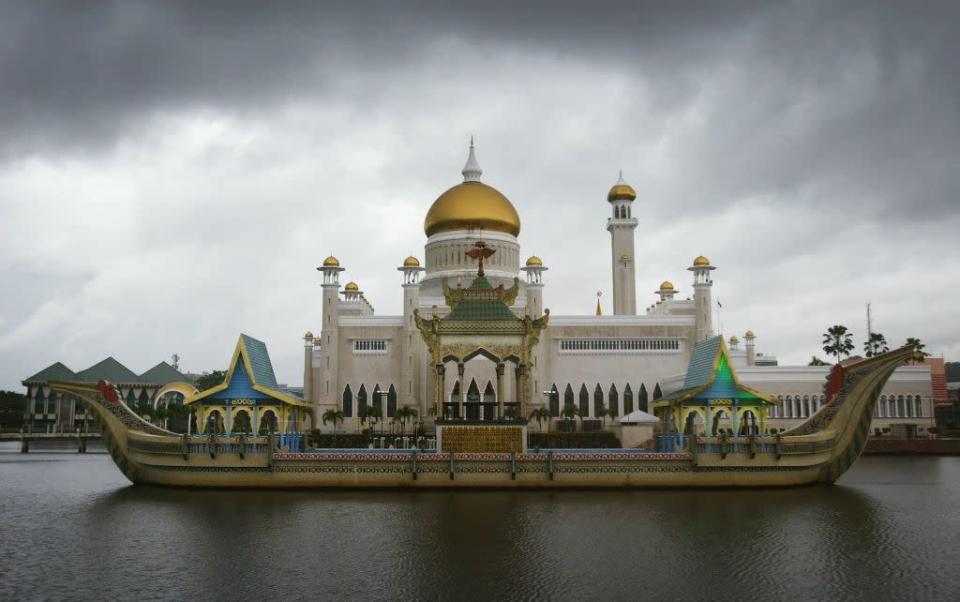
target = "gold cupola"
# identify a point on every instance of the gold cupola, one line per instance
(411, 262)
(331, 262)
(472, 204)
(666, 285)
(701, 261)
(534, 261)
(621, 191)
(351, 286)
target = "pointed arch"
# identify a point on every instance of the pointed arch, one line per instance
(361, 400)
(376, 399)
(489, 395)
(391, 402)
(347, 406)
(554, 401)
(473, 392)
(613, 399)
(131, 398)
(597, 400)
(144, 397)
(568, 399)
(584, 401)
(627, 400)
(455, 394)
(657, 393)
(642, 401)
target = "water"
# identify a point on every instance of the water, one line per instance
(71, 527)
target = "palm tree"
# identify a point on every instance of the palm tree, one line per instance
(578, 414)
(333, 416)
(602, 413)
(370, 413)
(403, 415)
(918, 347)
(569, 412)
(877, 343)
(510, 413)
(837, 341)
(541, 414)
(816, 361)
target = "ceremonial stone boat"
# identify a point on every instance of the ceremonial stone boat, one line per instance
(819, 450)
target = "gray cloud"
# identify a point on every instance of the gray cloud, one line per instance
(158, 159)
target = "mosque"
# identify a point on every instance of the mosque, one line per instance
(605, 365)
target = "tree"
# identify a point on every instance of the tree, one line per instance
(876, 344)
(333, 416)
(510, 413)
(816, 361)
(208, 381)
(602, 413)
(403, 415)
(578, 414)
(370, 413)
(838, 341)
(541, 414)
(918, 347)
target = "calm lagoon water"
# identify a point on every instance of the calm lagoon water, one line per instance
(73, 528)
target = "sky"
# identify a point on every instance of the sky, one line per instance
(171, 174)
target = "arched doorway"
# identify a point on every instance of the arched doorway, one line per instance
(554, 401)
(241, 423)
(347, 407)
(473, 401)
(361, 400)
(718, 416)
(642, 400)
(627, 400)
(613, 400)
(584, 401)
(214, 423)
(597, 400)
(391, 402)
(748, 423)
(268, 423)
(489, 402)
(568, 398)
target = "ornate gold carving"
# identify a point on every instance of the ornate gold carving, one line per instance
(480, 439)
(452, 296)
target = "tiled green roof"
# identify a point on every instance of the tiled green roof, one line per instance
(259, 361)
(480, 304)
(55, 371)
(700, 370)
(710, 376)
(108, 369)
(162, 374)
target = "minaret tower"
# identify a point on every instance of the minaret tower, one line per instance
(702, 283)
(535, 270)
(410, 344)
(621, 227)
(308, 366)
(325, 388)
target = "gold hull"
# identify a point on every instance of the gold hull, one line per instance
(818, 451)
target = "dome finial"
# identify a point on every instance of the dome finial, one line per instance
(471, 171)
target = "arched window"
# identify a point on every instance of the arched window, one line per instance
(584, 401)
(627, 400)
(347, 402)
(918, 405)
(901, 411)
(909, 407)
(657, 393)
(613, 400)
(806, 406)
(131, 398)
(555, 401)
(391, 402)
(38, 398)
(642, 399)
(144, 397)
(455, 394)
(597, 400)
(362, 400)
(568, 396)
(489, 396)
(473, 393)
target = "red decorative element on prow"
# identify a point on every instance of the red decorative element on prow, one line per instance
(108, 391)
(834, 382)
(480, 251)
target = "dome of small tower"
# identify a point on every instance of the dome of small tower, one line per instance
(734, 340)
(666, 285)
(701, 261)
(331, 262)
(411, 262)
(308, 335)
(750, 335)
(621, 191)
(352, 286)
(534, 261)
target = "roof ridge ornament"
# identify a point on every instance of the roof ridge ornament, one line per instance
(471, 171)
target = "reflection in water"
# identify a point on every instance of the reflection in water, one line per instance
(81, 532)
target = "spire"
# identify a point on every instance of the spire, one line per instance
(599, 311)
(471, 171)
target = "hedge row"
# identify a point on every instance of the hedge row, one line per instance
(337, 440)
(557, 439)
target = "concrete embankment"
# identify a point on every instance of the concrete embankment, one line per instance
(895, 446)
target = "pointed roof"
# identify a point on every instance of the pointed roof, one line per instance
(162, 374)
(108, 369)
(471, 171)
(55, 371)
(480, 302)
(255, 371)
(711, 375)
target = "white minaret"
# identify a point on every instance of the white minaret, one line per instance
(621, 227)
(327, 386)
(308, 366)
(666, 291)
(410, 344)
(534, 270)
(702, 284)
(751, 348)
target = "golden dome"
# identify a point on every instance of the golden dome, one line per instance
(411, 262)
(750, 334)
(621, 191)
(734, 340)
(534, 261)
(472, 205)
(666, 285)
(308, 335)
(331, 262)
(352, 286)
(701, 261)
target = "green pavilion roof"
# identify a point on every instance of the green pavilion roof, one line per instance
(162, 374)
(108, 369)
(55, 371)
(711, 375)
(480, 302)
